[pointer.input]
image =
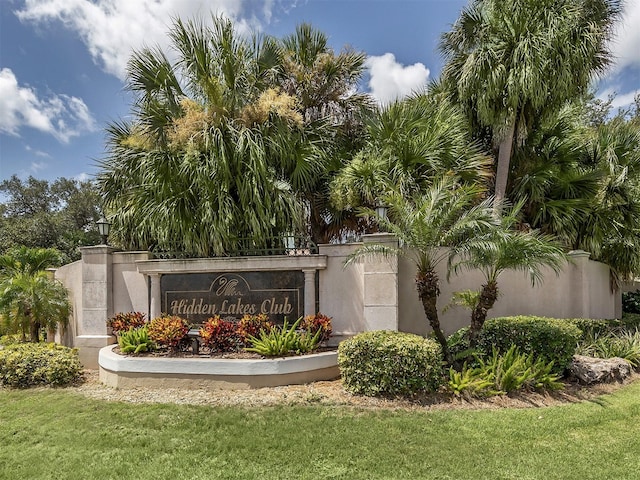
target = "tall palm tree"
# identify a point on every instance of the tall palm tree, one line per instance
(445, 215)
(325, 85)
(29, 299)
(502, 248)
(512, 61)
(215, 153)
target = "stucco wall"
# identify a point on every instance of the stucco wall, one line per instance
(71, 277)
(130, 289)
(580, 290)
(342, 290)
(373, 293)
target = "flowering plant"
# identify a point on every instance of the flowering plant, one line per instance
(251, 325)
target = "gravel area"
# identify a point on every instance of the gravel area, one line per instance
(332, 393)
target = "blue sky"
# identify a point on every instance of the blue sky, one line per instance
(62, 62)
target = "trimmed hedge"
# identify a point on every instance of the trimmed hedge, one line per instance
(388, 362)
(549, 339)
(596, 327)
(30, 364)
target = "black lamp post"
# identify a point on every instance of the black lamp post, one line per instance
(103, 228)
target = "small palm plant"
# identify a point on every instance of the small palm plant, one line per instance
(31, 301)
(501, 248)
(446, 215)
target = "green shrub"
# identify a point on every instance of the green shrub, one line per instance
(29, 364)
(168, 331)
(469, 382)
(502, 373)
(513, 370)
(11, 339)
(458, 344)
(549, 339)
(386, 362)
(595, 327)
(135, 340)
(284, 340)
(630, 321)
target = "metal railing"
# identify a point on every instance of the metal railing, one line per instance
(292, 245)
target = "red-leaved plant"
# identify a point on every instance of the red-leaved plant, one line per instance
(168, 331)
(252, 325)
(122, 322)
(318, 322)
(221, 335)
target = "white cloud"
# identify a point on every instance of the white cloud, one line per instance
(626, 46)
(60, 115)
(390, 80)
(112, 28)
(37, 153)
(35, 167)
(82, 177)
(625, 99)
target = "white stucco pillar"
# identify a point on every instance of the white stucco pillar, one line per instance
(96, 303)
(309, 292)
(155, 306)
(381, 286)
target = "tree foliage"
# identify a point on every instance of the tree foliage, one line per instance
(227, 142)
(41, 214)
(510, 62)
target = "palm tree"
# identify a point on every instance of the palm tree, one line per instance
(325, 85)
(581, 184)
(214, 154)
(411, 143)
(512, 61)
(611, 229)
(501, 248)
(29, 299)
(445, 215)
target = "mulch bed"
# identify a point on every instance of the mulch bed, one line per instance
(332, 393)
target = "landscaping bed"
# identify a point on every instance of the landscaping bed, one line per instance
(333, 393)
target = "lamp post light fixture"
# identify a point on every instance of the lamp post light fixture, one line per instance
(381, 214)
(103, 228)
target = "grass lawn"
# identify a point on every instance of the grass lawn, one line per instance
(58, 434)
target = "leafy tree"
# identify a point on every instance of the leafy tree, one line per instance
(324, 83)
(581, 184)
(445, 215)
(42, 214)
(509, 62)
(29, 299)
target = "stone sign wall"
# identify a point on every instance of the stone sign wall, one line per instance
(199, 296)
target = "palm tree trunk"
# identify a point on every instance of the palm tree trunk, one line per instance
(502, 171)
(488, 297)
(35, 331)
(428, 291)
